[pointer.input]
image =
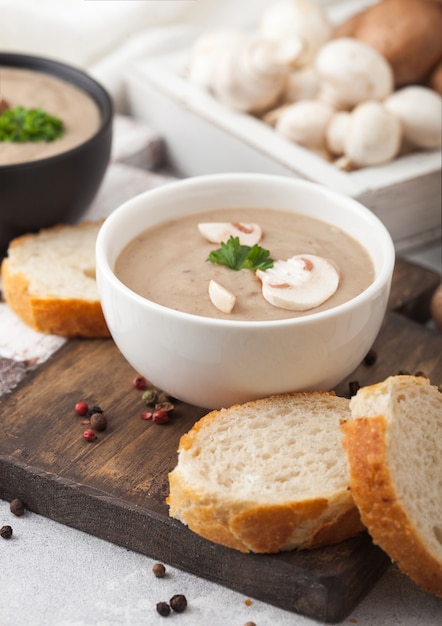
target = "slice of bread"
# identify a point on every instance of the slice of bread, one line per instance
(48, 280)
(268, 475)
(394, 446)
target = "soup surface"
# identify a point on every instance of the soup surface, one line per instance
(168, 263)
(32, 90)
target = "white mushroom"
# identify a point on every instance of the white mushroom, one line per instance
(302, 282)
(205, 52)
(305, 123)
(302, 84)
(251, 74)
(298, 19)
(216, 232)
(374, 135)
(352, 72)
(223, 299)
(419, 110)
(337, 131)
(271, 117)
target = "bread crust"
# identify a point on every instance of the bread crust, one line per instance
(266, 529)
(68, 317)
(249, 526)
(373, 489)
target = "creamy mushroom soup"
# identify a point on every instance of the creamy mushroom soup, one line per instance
(168, 263)
(32, 90)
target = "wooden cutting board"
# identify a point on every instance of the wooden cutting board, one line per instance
(115, 487)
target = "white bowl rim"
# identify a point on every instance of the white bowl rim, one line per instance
(383, 278)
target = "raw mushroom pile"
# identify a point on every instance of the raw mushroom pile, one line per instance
(346, 93)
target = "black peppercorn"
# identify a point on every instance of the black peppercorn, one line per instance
(95, 409)
(6, 532)
(370, 358)
(178, 603)
(353, 387)
(163, 608)
(17, 507)
(159, 570)
(98, 421)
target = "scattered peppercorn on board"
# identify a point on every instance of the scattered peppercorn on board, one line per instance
(115, 486)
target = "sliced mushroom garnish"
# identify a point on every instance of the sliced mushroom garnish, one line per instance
(216, 232)
(302, 282)
(222, 298)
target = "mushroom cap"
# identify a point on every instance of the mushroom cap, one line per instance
(352, 72)
(251, 74)
(305, 122)
(419, 110)
(302, 84)
(336, 132)
(205, 52)
(300, 19)
(374, 135)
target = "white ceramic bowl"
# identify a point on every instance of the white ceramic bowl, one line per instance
(215, 363)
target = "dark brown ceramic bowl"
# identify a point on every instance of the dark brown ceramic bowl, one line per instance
(58, 189)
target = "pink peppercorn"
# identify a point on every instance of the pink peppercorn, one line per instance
(160, 417)
(89, 435)
(139, 382)
(81, 408)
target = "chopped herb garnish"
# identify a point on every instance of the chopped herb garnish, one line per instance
(19, 125)
(237, 256)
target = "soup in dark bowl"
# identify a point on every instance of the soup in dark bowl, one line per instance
(48, 182)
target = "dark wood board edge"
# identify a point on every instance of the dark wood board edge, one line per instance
(318, 594)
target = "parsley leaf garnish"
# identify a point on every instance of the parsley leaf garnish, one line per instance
(237, 256)
(19, 125)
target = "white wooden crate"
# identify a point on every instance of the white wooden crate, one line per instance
(203, 136)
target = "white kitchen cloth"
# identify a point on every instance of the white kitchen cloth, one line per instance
(81, 31)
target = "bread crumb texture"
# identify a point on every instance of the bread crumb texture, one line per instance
(268, 475)
(48, 279)
(394, 447)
